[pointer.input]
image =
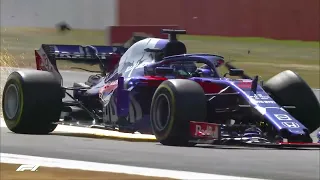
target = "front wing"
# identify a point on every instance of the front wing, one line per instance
(211, 133)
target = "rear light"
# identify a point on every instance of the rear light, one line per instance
(38, 60)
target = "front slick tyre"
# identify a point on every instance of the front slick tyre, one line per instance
(288, 88)
(175, 103)
(31, 102)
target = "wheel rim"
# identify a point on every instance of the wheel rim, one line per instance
(11, 101)
(163, 113)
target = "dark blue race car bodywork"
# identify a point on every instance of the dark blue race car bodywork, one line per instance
(241, 110)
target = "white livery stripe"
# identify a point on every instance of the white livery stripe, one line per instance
(114, 168)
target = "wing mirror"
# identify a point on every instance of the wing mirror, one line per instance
(163, 71)
(235, 72)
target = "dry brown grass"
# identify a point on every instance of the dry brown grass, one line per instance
(8, 172)
(266, 58)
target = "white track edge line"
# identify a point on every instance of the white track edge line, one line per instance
(93, 166)
(114, 168)
(95, 132)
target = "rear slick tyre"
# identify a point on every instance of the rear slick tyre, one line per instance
(32, 102)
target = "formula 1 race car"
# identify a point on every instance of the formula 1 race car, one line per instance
(155, 87)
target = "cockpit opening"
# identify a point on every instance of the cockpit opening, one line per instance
(180, 69)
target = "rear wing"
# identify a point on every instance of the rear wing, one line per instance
(48, 54)
(79, 52)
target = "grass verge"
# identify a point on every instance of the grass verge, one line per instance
(261, 56)
(8, 172)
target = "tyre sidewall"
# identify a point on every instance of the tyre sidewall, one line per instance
(164, 132)
(288, 88)
(15, 121)
(187, 103)
(40, 103)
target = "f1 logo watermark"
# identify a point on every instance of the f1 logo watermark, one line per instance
(28, 167)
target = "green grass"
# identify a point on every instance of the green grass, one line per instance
(267, 57)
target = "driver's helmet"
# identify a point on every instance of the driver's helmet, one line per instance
(205, 71)
(184, 68)
(205, 66)
(190, 66)
(187, 66)
(158, 56)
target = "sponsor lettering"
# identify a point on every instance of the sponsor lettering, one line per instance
(199, 129)
(206, 132)
(290, 124)
(282, 117)
(266, 102)
(130, 68)
(136, 65)
(112, 83)
(260, 97)
(77, 55)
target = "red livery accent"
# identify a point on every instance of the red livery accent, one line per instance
(204, 130)
(260, 19)
(209, 87)
(43, 63)
(244, 84)
(38, 60)
(114, 60)
(109, 87)
(299, 143)
(153, 80)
